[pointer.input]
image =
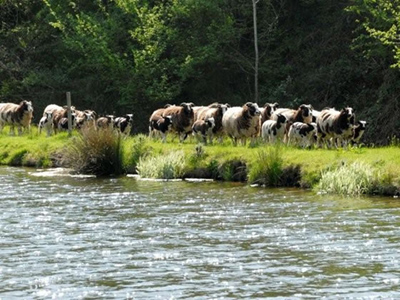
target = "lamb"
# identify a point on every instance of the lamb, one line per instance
(63, 123)
(273, 130)
(46, 123)
(215, 111)
(203, 128)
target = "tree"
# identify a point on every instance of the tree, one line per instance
(379, 24)
(256, 62)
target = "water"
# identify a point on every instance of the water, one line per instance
(90, 238)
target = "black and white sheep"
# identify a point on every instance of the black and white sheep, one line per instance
(124, 124)
(215, 111)
(46, 122)
(335, 126)
(274, 130)
(302, 134)
(203, 129)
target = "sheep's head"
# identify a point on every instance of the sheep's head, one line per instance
(253, 109)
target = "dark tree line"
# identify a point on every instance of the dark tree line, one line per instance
(134, 56)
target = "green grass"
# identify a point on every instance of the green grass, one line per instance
(40, 151)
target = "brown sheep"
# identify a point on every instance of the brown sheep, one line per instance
(182, 117)
(16, 114)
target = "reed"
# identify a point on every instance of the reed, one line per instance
(168, 166)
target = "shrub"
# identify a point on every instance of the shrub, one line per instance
(169, 166)
(267, 169)
(97, 152)
(354, 179)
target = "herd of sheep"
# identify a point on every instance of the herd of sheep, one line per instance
(303, 126)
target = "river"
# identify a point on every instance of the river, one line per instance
(123, 238)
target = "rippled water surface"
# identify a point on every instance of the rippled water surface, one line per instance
(90, 238)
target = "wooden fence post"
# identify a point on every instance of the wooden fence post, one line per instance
(69, 113)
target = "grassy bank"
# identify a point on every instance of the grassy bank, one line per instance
(351, 171)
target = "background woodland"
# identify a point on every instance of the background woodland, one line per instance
(133, 56)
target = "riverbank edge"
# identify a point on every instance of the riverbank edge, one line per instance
(299, 168)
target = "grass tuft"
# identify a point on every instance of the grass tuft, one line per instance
(169, 166)
(349, 179)
(267, 168)
(97, 152)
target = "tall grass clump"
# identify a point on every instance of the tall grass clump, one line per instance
(139, 148)
(267, 167)
(168, 166)
(349, 179)
(96, 152)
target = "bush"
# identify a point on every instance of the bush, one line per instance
(167, 166)
(354, 179)
(97, 152)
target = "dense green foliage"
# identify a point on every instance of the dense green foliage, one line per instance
(120, 56)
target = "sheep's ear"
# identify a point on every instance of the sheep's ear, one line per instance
(249, 104)
(227, 105)
(183, 104)
(276, 104)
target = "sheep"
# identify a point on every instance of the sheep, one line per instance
(267, 111)
(358, 132)
(333, 125)
(162, 125)
(302, 114)
(154, 118)
(46, 123)
(182, 118)
(124, 124)
(273, 130)
(63, 123)
(86, 117)
(215, 111)
(315, 114)
(58, 113)
(302, 134)
(242, 122)
(203, 128)
(105, 122)
(19, 115)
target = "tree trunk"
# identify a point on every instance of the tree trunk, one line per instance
(256, 96)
